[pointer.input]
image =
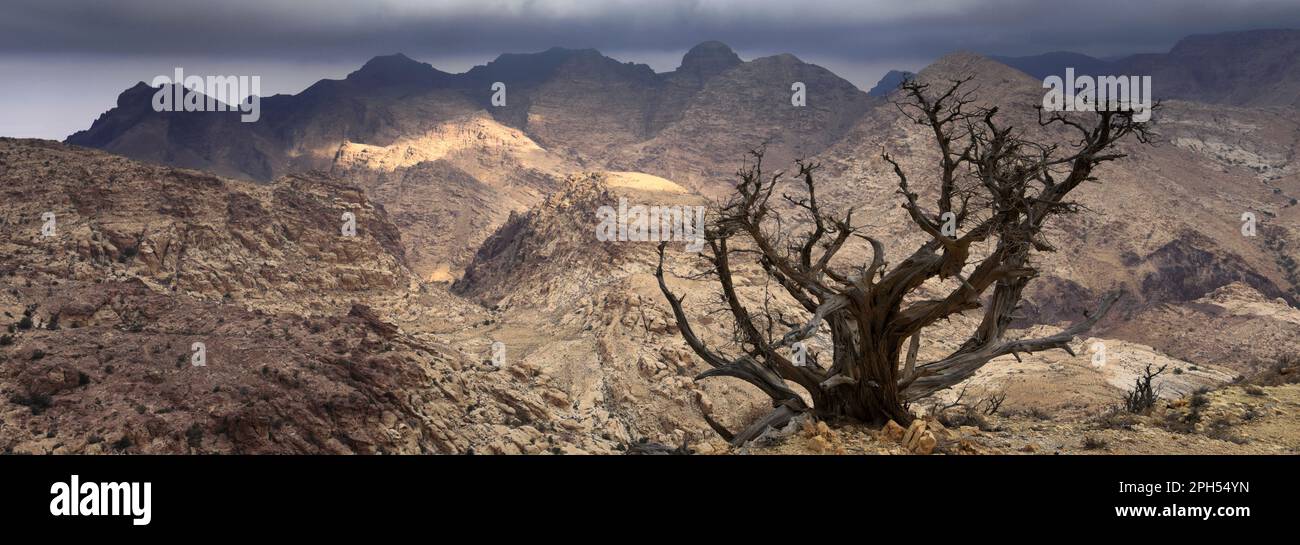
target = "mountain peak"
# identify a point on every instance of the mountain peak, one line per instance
(890, 81)
(395, 69)
(709, 58)
(965, 63)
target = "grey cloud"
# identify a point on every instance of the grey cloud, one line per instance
(837, 28)
(65, 61)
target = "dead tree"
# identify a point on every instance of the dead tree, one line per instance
(1143, 396)
(996, 190)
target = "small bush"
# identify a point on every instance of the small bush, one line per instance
(194, 435)
(1183, 423)
(1143, 396)
(967, 416)
(122, 444)
(1199, 399)
(36, 402)
(1221, 429)
(1116, 418)
(1092, 442)
(993, 403)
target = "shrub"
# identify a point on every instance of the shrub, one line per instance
(194, 435)
(1116, 418)
(1221, 429)
(967, 416)
(122, 444)
(1199, 399)
(1143, 396)
(1092, 442)
(1183, 423)
(993, 403)
(36, 402)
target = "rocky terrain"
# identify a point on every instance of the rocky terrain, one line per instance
(145, 261)
(1246, 68)
(475, 311)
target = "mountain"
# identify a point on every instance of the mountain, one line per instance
(889, 82)
(1250, 68)
(476, 226)
(1166, 220)
(389, 124)
(1055, 63)
(744, 107)
(576, 102)
(431, 182)
(1246, 68)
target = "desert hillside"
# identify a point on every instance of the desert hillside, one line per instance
(472, 307)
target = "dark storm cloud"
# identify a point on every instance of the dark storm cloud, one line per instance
(834, 28)
(66, 61)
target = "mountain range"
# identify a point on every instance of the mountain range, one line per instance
(475, 226)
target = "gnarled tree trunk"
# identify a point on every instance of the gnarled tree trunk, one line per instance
(995, 188)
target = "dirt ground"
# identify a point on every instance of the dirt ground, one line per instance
(1234, 419)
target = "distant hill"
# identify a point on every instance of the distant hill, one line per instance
(1247, 68)
(1055, 63)
(890, 81)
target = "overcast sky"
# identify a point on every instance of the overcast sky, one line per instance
(63, 62)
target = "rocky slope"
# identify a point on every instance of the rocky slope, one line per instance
(448, 188)
(191, 233)
(300, 352)
(476, 225)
